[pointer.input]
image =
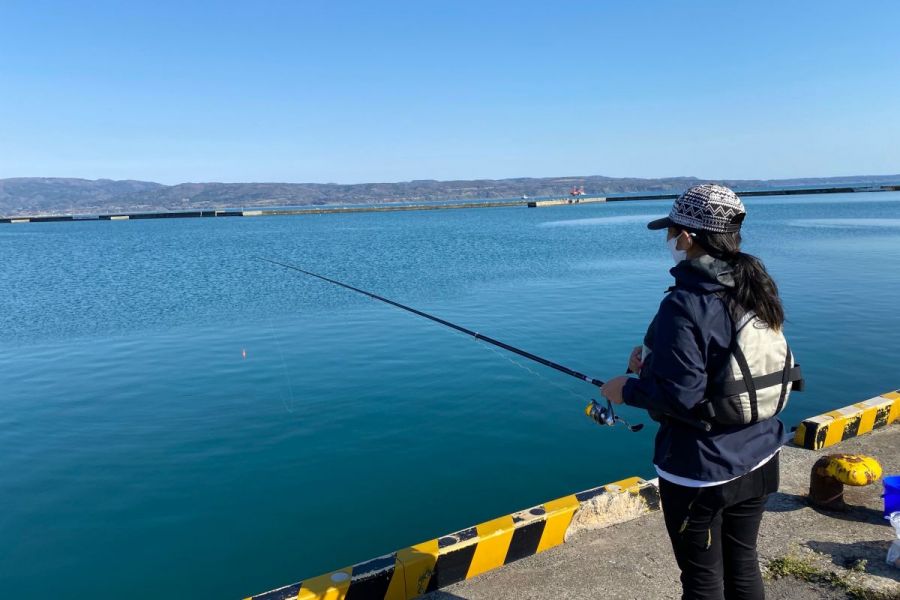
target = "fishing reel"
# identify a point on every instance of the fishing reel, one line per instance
(605, 415)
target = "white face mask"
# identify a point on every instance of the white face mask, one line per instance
(677, 255)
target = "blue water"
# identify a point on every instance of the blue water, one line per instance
(144, 455)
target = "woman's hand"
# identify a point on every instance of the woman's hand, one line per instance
(634, 361)
(612, 389)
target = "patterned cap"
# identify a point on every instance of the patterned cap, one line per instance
(708, 207)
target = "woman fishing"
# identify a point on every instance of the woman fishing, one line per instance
(714, 370)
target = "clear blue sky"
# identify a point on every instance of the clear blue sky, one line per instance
(389, 91)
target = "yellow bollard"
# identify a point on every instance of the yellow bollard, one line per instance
(832, 472)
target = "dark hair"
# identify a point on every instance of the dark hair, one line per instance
(754, 288)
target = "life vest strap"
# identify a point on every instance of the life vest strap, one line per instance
(734, 388)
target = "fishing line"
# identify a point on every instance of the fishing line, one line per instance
(528, 369)
(602, 415)
(287, 373)
(475, 334)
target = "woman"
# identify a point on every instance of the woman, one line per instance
(713, 483)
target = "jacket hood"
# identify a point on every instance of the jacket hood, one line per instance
(704, 274)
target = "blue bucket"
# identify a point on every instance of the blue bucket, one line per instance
(891, 494)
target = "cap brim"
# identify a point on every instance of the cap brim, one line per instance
(660, 223)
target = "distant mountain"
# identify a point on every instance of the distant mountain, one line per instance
(49, 195)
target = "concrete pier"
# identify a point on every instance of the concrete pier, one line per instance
(611, 542)
(561, 201)
(832, 555)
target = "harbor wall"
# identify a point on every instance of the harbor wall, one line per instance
(431, 565)
(422, 568)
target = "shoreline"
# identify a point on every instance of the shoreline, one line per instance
(530, 203)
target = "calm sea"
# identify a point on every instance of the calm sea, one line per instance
(180, 419)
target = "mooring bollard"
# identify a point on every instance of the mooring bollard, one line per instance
(832, 472)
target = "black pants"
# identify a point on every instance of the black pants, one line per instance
(714, 531)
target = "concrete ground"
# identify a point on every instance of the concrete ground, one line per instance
(843, 554)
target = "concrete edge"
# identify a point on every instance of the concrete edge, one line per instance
(844, 423)
(410, 572)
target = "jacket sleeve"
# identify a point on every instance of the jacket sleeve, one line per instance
(677, 379)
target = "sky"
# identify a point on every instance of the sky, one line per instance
(350, 92)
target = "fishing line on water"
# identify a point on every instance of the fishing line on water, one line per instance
(603, 416)
(528, 369)
(286, 372)
(284, 368)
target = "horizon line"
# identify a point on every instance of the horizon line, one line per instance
(406, 181)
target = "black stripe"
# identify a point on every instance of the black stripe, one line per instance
(881, 417)
(797, 382)
(748, 380)
(591, 493)
(809, 435)
(459, 536)
(733, 388)
(371, 587)
(785, 380)
(525, 541)
(821, 432)
(851, 428)
(284, 593)
(650, 494)
(376, 564)
(451, 567)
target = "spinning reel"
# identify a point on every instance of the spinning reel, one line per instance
(605, 415)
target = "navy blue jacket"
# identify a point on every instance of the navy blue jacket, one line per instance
(689, 340)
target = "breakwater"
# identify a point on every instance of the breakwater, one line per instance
(533, 203)
(259, 212)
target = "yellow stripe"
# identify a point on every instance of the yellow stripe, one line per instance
(835, 432)
(834, 414)
(415, 567)
(493, 543)
(332, 586)
(559, 514)
(397, 586)
(867, 420)
(632, 484)
(800, 434)
(895, 408)
(895, 412)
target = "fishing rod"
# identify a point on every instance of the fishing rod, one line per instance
(603, 415)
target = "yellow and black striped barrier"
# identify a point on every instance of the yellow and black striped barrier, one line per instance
(848, 422)
(437, 563)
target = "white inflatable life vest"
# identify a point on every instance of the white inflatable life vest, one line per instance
(758, 380)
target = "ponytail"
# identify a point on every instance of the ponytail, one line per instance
(754, 288)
